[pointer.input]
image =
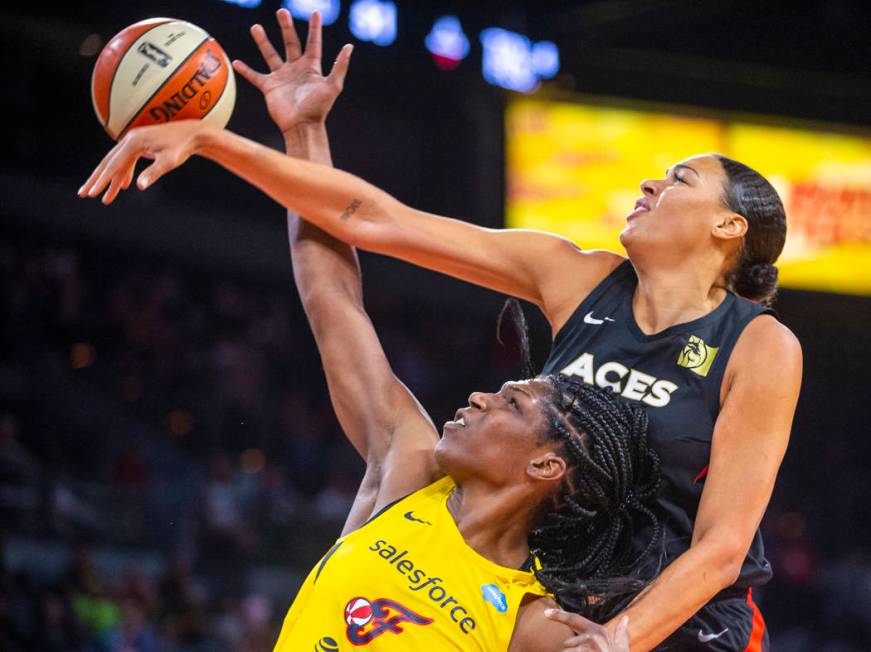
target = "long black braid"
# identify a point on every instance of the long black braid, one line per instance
(521, 331)
(585, 540)
(598, 543)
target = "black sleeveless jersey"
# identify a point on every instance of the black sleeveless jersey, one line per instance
(676, 375)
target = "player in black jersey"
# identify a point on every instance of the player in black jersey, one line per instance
(671, 328)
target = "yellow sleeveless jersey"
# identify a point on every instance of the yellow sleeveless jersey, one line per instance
(406, 580)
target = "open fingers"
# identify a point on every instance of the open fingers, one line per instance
(89, 183)
(255, 78)
(270, 56)
(340, 67)
(128, 177)
(111, 165)
(313, 39)
(162, 164)
(116, 185)
(292, 47)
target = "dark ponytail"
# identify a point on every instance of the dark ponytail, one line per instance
(521, 330)
(749, 194)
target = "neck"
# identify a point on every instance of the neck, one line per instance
(494, 523)
(665, 297)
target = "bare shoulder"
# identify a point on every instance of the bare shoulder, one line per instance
(765, 341)
(573, 275)
(767, 354)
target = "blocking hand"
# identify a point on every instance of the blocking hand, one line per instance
(295, 89)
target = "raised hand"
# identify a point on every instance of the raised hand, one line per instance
(295, 89)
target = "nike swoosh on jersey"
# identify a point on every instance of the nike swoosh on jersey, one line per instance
(589, 319)
(705, 638)
(411, 517)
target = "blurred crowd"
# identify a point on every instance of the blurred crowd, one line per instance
(84, 610)
(170, 466)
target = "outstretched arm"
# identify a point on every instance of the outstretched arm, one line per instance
(380, 417)
(531, 265)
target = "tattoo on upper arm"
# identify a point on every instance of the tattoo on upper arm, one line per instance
(352, 208)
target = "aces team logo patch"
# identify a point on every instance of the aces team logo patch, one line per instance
(367, 620)
(697, 356)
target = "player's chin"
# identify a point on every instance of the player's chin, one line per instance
(629, 235)
(636, 237)
(448, 450)
(439, 453)
(443, 445)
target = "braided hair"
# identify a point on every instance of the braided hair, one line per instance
(583, 541)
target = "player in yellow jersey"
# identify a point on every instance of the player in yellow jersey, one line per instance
(435, 554)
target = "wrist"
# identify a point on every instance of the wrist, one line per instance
(206, 137)
(303, 132)
(309, 141)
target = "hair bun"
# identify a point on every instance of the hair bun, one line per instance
(756, 281)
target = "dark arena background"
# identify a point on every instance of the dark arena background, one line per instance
(170, 467)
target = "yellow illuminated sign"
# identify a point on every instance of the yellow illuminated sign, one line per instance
(575, 169)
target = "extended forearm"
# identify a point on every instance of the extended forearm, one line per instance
(328, 279)
(527, 264)
(681, 590)
(337, 202)
(322, 264)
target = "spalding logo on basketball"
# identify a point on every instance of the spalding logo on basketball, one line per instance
(158, 70)
(358, 612)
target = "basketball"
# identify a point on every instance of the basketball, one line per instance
(158, 70)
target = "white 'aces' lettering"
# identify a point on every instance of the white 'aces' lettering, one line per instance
(629, 383)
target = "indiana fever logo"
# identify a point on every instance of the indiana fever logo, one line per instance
(369, 620)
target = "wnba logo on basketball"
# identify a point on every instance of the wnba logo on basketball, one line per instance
(151, 51)
(368, 620)
(697, 356)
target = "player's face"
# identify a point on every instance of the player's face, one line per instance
(676, 215)
(498, 436)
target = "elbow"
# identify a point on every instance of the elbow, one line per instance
(368, 235)
(731, 569)
(376, 226)
(726, 558)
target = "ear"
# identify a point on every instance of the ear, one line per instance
(730, 226)
(547, 467)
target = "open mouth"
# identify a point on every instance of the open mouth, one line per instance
(640, 207)
(458, 422)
